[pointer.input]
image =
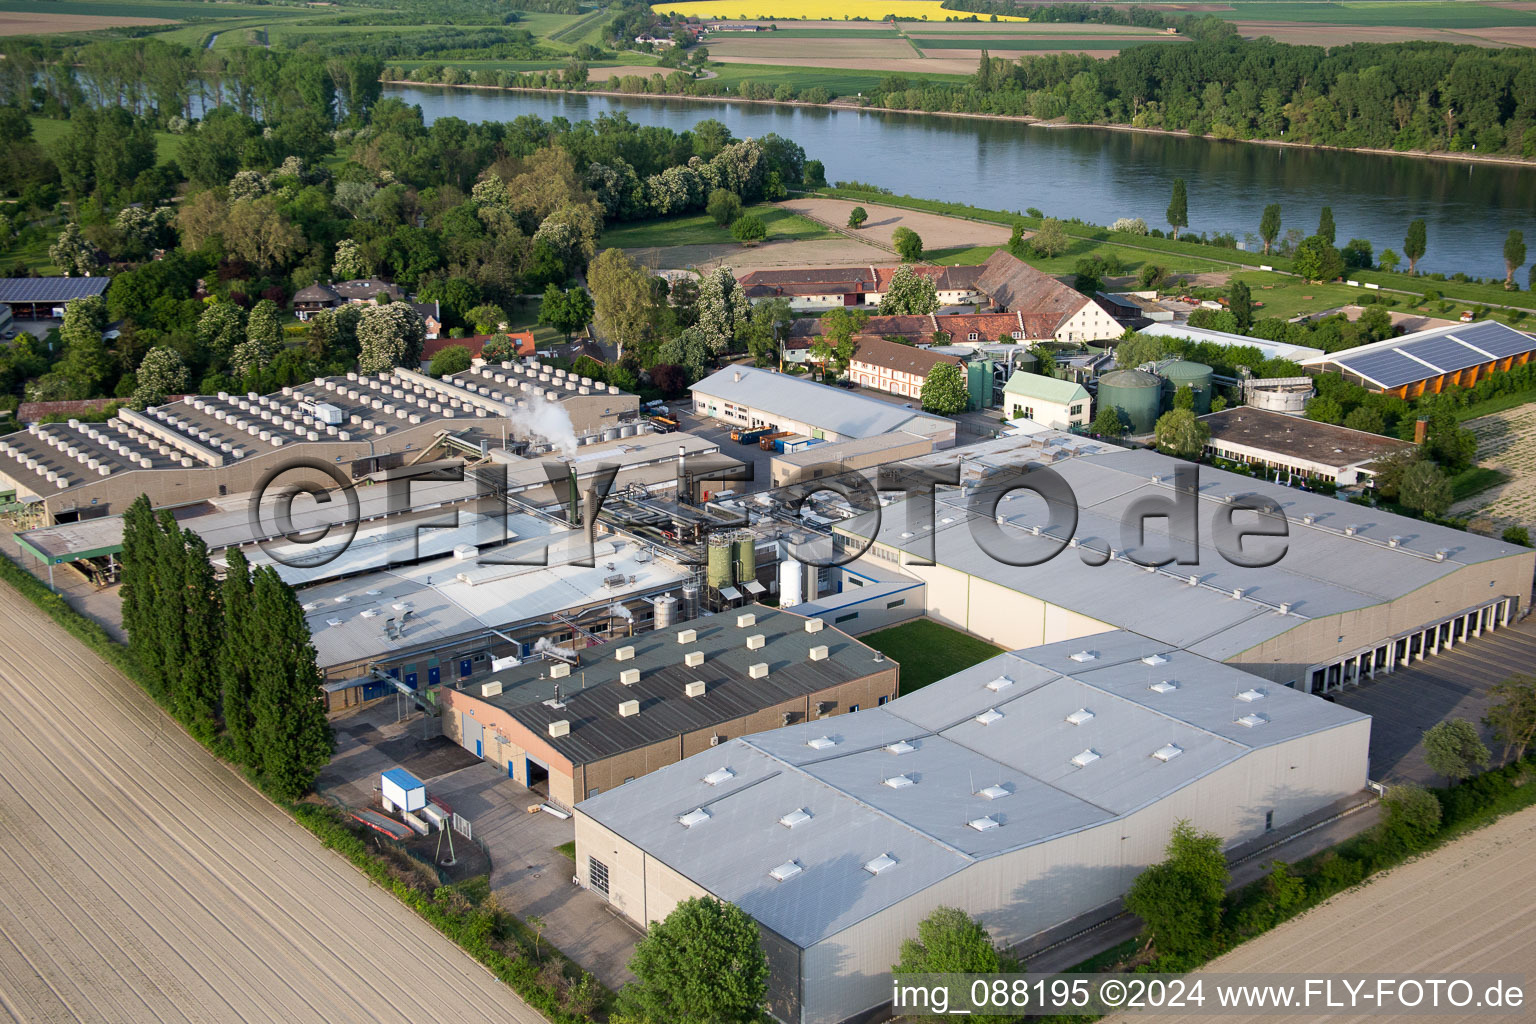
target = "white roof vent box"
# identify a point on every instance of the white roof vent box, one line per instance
(1165, 686)
(899, 781)
(1086, 758)
(986, 824)
(899, 747)
(719, 775)
(881, 863)
(1154, 659)
(1080, 716)
(999, 684)
(799, 816)
(693, 817)
(1251, 695)
(785, 871)
(1168, 752)
(995, 792)
(989, 716)
(1083, 656)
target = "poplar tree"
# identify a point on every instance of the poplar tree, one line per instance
(1415, 244)
(197, 698)
(137, 564)
(1178, 207)
(237, 658)
(290, 728)
(1325, 226)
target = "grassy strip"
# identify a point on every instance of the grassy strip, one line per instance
(481, 931)
(701, 229)
(927, 650)
(567, 850)
(1475, 480)
(1498, 403)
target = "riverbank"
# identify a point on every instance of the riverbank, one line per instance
(1025, 119)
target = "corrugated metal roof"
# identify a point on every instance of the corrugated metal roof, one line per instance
(792, 398)
(1018, 772)
(50, 289)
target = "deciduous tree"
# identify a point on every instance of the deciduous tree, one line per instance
(567, 311)
(1512, 714)
(723, 309)
(909, 292)
(1425, 488)
(1317, 260)
(290, 728)
(1180, 434)
(450, 360)
(702, 964)
(1050, 239)
(857, 216)
(389, 336)
(944, 390)
(749, 229)
(1415, 244)
(1178, 207)
(723, 206)
(1454, 749)
(909, 245)
(1179, 900)
(160, 373)
(1514, 255)
(1269, 226)
(1325, 226)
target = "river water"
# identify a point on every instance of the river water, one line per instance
(1095, 174)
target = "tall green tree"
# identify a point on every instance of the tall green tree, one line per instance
(1317, 260)
(170, 575)
(1179, 900)
(1425, 488)
(1181, 434)
(909, 292)
(909, 244)
(202, 625)
(857, 216)
(1512, 714)
(1454, 749)
(1514, 255)
(950, 941)
(944, 390)
(1051, 239)
(702, 964)
(137, 588)
(290, 729)
(723, 309)
(238, 656)
(1325, 225)
(1240, 303)
(1415, 243)
(86, 363)
(1178, 207)
(1269, 226)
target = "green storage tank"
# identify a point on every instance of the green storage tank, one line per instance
(717, 566)
(1182, 373)
(746, 556)
(1136, 393)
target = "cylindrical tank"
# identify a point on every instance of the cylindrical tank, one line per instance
(746, 555)
(791, 582)
(1136, 394)
(665, 610)
(626, 430)
(1181, 373)
(688, 607)
(717, 571)
(610, 433)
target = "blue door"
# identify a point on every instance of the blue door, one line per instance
(434, 675)
(510, 773)
(464, 667)
(410, 680)
(479, 748)
(395, 672)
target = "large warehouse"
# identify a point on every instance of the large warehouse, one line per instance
(1030, 790)
(1431, 360)
(580, 723)
(752, 397)
(1355, 591)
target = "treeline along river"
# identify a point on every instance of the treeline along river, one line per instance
(1095, 174)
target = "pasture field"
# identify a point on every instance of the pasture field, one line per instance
(52, 24)
(170, 10)
(1003, 44)
(767, 46)
(873, 10)
(852, 32)
(1449, 14)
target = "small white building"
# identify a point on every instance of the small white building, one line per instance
(1061, 404)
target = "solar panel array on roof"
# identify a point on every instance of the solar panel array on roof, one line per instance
(1415, 357)
(50, 289)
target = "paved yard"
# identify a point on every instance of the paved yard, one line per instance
(531, 877)
(370, 740)
(1453, 684)
(1505, 441)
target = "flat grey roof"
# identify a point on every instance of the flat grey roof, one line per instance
(847, 449)
(1017, 769)
(778, 394)
(1324, 572)
(592, 692)
(1300, 438)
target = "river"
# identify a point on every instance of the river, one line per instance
(1095, 174)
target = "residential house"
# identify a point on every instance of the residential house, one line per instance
(1010, 284)
(903, 369)
(830, 287)
(364, 291)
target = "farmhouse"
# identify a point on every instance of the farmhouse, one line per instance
(809, 288)
(903, 370)
(1010, 284)
(1429, 361)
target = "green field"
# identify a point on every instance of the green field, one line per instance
(927, 651)
(838, 81)
(700, 229)
(172, 9)
(1403, 13)
(46, 131)
(807, 33)
(997, 45)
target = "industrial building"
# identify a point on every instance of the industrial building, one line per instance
(1268, 349)
(1137, 309)
(1298, 448)
(864, 453)
(1394, 590)
(1429, 361)
(44, 298)
(752, 397)
(573, 724)
(213, 445)
(1029, 790)
(1060, 404)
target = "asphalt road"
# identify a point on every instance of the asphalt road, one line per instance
(140, 880)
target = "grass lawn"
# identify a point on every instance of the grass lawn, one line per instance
(33, 257)
(1286, 297)
(700, 229)
(47, 131)
(567, 850)
(926, 651)
(525, 317)
(1475, 480)
(1498, 403)
(962, 257)
(837, 81)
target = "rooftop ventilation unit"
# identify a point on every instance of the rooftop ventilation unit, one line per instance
(745, 619)
(1000, 683)
(785, 871)
(994, 792)
(1251, 720)
(1350, 530)
(693, 659)
(1154, 659)
(795, 817)
(718, 776)
(986, 824)
(1079, 716)
(899, 781)
(819, 652)
(560, 728)
(1251, 695)
(899, 747)
(559, 671)
(1086, 758)
(756, 641)
(989, 716)
(880, 863)
(693, 817)
(1168, 753)
(1082, 656)
(821, 743)
(624, 654)
(813, 625)
(697, 688)
(687, 636)
(628, 708)
(1166, 686)
(1394, 542)
(630, 676)
(758, 671)
(490, 689)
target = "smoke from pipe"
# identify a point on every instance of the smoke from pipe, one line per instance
(620, 611)
(547, 422)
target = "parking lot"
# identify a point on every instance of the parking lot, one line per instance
(1453, 684)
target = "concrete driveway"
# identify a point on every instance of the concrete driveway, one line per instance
(531, 877)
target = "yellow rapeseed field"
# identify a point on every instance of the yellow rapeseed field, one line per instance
(813, 10)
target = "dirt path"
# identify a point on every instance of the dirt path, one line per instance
(142, 881)
(819, 252)
(1463, 909)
